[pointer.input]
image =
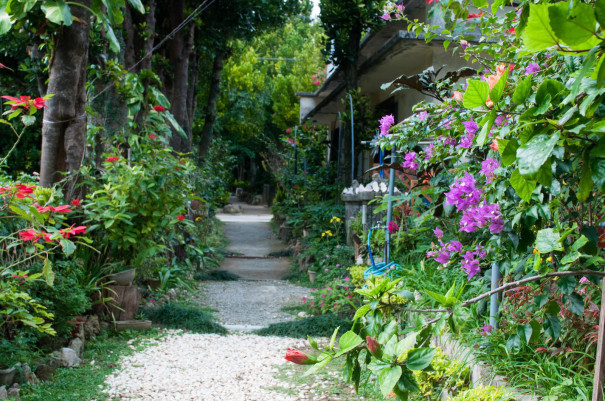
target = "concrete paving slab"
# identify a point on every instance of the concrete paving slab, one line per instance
(257, 269)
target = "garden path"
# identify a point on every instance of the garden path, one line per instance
(240, 366)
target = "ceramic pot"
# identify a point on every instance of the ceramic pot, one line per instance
(312, 275)
(7, 376)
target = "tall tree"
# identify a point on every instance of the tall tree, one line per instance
(344, 22)
(243, 20)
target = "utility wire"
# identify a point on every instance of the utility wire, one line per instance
(201, 8)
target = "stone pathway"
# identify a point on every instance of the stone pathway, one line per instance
(237, 367)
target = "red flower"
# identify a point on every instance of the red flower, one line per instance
(180, 217)
(152, 136)
(25, 101)
(112, 159)
(69, 231)
(33, 235)
(24, 190)
(39, 103)
(494, 145)
(58, 209)
(3, 66)
(159, 108)
(298, 357)
(372, 345)
(512, 30)
(473, 15)
(76, 202)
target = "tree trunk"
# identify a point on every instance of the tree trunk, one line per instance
(64, 125)
(179, 51)
(128, 29)
(138, 45)
(215, 90)
(192, 90)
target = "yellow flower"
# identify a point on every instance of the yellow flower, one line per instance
(549, 259)
(198, 219)
(535, 251)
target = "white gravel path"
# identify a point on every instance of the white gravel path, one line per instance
(203, 367)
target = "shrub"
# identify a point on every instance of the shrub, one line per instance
(216, 275)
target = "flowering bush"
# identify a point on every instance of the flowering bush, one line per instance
(337, 297)
(515, 173)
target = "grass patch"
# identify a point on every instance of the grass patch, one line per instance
(177, 316)
(281, 254)
(315, 326)
(83, 383)
(216, 275)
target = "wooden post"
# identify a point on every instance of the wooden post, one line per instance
(599, 366)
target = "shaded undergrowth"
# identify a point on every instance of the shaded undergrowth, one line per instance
(315, 326)
(177, 316)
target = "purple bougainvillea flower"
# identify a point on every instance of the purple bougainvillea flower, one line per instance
(488, 166)
(385, 124)
(485, 330)
(393, 227)
(463, 193)
(502, 119)
(471, 126)
(428, 152)
(448, 140)
(386, 16)
(584, 280)
(422, 115)
(470, 265)
(438, 232)
(410, 161)
(431, 254)
(443, 258)
(466, 141)
(454, 246)
(532, 68)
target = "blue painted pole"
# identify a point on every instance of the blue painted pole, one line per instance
(494, 305)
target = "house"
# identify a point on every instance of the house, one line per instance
(385, 55)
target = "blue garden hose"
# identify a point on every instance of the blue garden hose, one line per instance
(377, 269)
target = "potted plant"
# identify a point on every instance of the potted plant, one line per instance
(124, 275)
(7, 370)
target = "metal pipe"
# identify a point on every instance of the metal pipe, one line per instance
(295, 149)
(387, 254)
(494, 299)
(352, 140)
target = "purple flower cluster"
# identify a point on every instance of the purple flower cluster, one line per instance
(448, 140)
(482, 216)
(470, 259)
(502, 119)
(410, 161)
(393, 227)
(466, 141)
(422, 116)
(463, 193)
(488, 166)
(447, 123)
(471, 126)
(428, 152)
(385, 124)
(532, 68)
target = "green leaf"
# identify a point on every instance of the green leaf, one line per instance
(316, 367)
(498, 89)
(522, 90)
(58, 12)
(68, 246)
(513, 343)
(544, 175)
(598, 173)
(575, 28)
(388, 378)
(552, 308)
(524, 187)
(548, 240)
(5, 21)
(137, 5)
(406, 344)
(508, 150)
(566, 284)
(333, 339)
(488, 122)
(552, 327)
(599, 71)
(28, 120)
(480, 3)
(579, 243)
(420, 358)
(408, 382)
(586, 182)
(47, 272)
(535, 332)
(175, 125)
(534, 153)
(549, 87)
(576, 304)
(476, 94)
(347, 342)
(600, 11)
(570, 257)
(114, 43)
(538, 35)
(362, 311)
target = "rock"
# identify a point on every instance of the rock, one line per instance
(69, 358)
(232, 209)
(92, 327)
(14, 391)
(44, 372)
(30, 376)
(302, 314)
(77, 345)
(172, 294)
(3, 393)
